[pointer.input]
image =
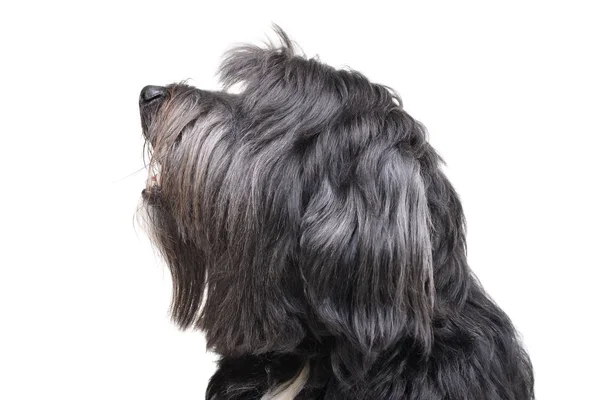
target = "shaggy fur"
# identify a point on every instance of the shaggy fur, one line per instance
(312, 236)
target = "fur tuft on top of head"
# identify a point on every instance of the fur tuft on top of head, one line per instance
(247, 62)
(308, 227)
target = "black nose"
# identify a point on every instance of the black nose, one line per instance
(150, 93)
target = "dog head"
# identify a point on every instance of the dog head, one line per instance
(295, 208)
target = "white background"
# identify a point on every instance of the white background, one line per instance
(509, 93)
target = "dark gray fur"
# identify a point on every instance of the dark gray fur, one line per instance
(306, 221)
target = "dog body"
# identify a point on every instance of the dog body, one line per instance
(313, 237)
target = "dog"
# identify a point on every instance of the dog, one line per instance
(313, 238)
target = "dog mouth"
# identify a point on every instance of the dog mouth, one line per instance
(153, 187)
(153, 180)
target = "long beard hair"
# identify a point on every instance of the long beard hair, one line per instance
(309, 230)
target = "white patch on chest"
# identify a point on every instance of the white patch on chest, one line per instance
(289, 390)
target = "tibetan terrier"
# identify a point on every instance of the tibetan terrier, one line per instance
(313, 237)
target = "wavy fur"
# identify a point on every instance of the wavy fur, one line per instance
(308, 227)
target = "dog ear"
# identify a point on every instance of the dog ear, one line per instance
(365, 250)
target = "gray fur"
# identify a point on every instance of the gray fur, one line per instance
(306, 222)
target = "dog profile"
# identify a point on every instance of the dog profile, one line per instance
(313, 238)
